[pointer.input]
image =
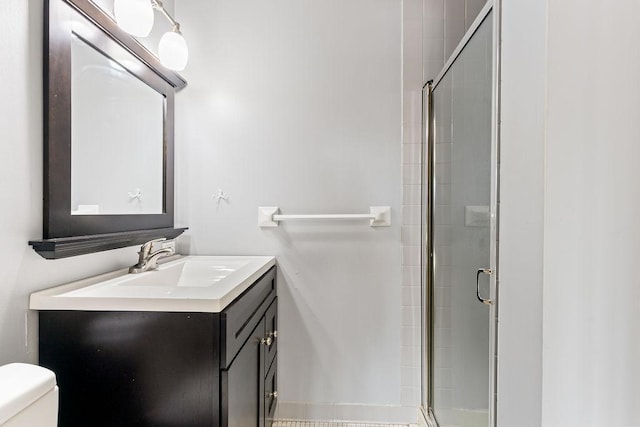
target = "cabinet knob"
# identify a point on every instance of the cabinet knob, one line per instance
(273, 394)
(271, 336)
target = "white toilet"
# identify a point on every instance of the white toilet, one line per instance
(28, 396)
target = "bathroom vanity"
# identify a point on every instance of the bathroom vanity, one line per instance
(192, 344)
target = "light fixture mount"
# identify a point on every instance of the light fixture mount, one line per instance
(158, 5)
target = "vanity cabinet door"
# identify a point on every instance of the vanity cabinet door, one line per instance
(271, 393)
(271, 331)
(242, 384)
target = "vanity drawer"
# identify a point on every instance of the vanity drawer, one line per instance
(238, 320)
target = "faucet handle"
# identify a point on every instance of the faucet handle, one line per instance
(146, 246)
(145, 249)
(147, 260)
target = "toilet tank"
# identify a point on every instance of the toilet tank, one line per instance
(28, 396)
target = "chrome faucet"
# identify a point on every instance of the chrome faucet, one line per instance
(148, 260)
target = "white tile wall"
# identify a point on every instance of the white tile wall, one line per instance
(412, 174)
(411, 202)
(454, 25)
(445, 23)
(411, 195)
(411, 214)
(411, 151)
(442, 375)
(433, 45)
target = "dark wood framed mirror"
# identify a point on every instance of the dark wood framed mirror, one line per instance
(108, 132)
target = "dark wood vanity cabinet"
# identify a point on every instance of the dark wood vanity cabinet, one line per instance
(167, 369)
(252, 368)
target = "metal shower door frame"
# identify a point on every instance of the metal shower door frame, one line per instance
(428, 192)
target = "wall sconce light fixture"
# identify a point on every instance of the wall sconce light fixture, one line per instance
(136, 18)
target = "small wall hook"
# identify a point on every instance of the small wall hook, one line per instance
(219, 196)
(136, 195)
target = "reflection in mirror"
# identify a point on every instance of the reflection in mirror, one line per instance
(117, 143)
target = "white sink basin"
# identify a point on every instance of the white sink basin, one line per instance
(188, 284)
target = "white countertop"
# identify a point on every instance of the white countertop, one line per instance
(187, 284)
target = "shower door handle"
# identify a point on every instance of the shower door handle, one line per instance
(482, 271)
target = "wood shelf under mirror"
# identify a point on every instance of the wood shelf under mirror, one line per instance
(65, 247)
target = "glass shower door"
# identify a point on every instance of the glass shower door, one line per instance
(463, 235)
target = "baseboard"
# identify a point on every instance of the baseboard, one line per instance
(424, 420)
(455, 417)
(340, 412)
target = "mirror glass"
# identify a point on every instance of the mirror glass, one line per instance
(117, 138)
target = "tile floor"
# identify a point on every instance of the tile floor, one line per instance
(288, 423)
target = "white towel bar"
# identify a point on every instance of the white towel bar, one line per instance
(378, 216)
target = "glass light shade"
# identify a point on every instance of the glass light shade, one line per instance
(134, 16)
(173, 51)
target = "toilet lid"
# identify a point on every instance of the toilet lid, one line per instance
(21, 385)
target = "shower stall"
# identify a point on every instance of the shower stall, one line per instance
(460, 247)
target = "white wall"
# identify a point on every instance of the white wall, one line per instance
(569, 287)
(412, 83)
(298, 104)
(522, 198)
(592, 239)
(22, 271)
